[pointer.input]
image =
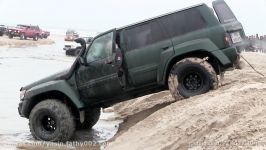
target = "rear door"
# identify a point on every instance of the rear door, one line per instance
(144, 45)
(228, 19)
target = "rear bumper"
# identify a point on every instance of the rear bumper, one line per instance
(232, 53)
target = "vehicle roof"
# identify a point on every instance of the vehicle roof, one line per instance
(23, 25)
(147, 20)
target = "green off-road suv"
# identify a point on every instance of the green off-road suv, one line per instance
(183, 51)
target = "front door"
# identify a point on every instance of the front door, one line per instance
(98, 79)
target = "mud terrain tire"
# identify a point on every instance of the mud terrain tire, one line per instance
(10, 36)
(51, 120)
(22, 36)
(36, 37)
(91, 118)
(190, 77)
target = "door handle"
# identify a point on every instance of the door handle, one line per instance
(165, 48)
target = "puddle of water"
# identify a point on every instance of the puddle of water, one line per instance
(21, 66)
(93, 139)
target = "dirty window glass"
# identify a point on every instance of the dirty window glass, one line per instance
(183, 22)
(143, 35)
(101, 48)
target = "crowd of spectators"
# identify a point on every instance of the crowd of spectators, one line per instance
(257, 43)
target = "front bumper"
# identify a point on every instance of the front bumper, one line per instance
(15, 33)
(20, 109)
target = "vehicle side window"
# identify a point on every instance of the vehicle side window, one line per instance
(183, 22)
(143, 35)
(101, 48)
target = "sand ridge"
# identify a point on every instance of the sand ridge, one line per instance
(231, 117)
(17, 43)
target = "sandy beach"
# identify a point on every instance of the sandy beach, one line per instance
(17, 43)
(232, 117)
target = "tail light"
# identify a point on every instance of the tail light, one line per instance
(227, 40)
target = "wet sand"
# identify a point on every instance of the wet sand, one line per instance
(17, 43)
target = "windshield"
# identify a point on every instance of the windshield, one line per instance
(21, 26)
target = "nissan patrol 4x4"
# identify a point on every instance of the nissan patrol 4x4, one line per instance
(182, 51)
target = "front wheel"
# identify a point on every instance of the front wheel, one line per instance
(35, 38)
(10, 36)
(22, 36)
(190, 77)
(51, 120)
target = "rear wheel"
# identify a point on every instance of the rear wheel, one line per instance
(51, 120)
(190, 77)
(91, 118)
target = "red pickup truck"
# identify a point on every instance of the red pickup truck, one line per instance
(25, 31)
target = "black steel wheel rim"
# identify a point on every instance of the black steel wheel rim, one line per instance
(48, 123)
(192, 81)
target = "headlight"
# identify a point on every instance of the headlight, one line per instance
(22, 94)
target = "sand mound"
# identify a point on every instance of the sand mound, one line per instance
(231, 117)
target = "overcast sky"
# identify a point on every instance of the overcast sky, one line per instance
(101, 15)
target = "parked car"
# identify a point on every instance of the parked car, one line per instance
(73, 48)
(2, 30)
(183, 51)
(71, 35)
(24, 32)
